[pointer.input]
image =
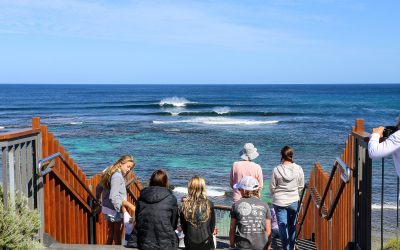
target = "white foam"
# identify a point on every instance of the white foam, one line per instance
(211, 191)
(2, 127)
(174, 113)
(222, 110)
(218, 121)
(76, 123)
(387, 206)
(174, 101)
(172, 130)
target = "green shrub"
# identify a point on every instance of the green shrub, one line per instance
(391, 245)
(19, 225)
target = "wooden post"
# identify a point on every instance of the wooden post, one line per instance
(362, 192)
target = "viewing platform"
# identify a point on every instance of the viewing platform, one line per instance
(335, 210)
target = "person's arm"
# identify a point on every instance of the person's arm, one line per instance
(117, 183)
(385, 148)
(183, 222)
(174, 215)
(212, 219)
(232, 232)
(232, 176)
(268, 232)
(127, 204)
(260, 179)
(99, 191)
(272, 183)
(137, 213)
(301, 181)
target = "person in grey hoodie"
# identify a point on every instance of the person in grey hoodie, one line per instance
(286, 185)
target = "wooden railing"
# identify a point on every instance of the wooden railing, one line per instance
(329, 214)
(19, 152)
(68, 204)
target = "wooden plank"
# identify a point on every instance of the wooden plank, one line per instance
(17, 155)
(46, 180)
(4, 158)
(30, 173)
(62, 197)
(76, 208)
(16, 134)
(11, 173)
(71, 206)
(57, 191)
(52, 188)
(68, 208)
(24, 168)
(83, 225)
(36, 123)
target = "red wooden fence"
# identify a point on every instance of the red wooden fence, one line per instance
(67, 201)
(337, 232)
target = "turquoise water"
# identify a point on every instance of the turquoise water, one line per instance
(199, 129)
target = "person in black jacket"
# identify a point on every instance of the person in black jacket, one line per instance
(197, 217)
(157, 215)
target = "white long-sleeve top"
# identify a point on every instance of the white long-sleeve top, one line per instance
(391, 145)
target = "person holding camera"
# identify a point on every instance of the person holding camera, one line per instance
(391, 145)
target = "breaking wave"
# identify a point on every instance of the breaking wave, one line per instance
(76, 123)
(222, 110)
(211, 191)
(174, 101)
(218, 121)
(386, 206)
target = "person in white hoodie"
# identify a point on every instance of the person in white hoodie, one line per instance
(389, 146)
(286, 185)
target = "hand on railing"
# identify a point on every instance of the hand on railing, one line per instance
(96, 207)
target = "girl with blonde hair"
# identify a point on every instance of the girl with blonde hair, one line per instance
(197, 216)
(114, 197)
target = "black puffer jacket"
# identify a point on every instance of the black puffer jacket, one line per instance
(156, 218)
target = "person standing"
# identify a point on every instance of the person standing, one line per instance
(197, 217)
(114, 198)
(286, 185)
(389, 146)
(250, 226)
(157, 215)
(245, 167)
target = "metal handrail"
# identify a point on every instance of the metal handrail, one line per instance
(345, 176)
(49, 167)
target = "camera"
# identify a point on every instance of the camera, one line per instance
(389, 130)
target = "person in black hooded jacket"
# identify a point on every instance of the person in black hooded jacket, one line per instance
(157, 215)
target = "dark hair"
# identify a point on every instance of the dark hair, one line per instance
(287, 153)
(159, 178)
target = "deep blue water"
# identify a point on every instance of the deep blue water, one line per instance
(98, 123)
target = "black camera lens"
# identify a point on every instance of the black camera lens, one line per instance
(389, 130)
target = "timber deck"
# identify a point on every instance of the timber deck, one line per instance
(222, 243)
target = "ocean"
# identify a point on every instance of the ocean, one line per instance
(200, 129)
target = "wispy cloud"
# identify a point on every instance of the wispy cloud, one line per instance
(152, 22)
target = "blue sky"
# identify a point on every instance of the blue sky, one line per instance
(177, 42)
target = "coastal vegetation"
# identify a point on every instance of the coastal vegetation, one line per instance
(392, 244)
(19, 224)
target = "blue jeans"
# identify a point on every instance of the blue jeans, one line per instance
(286, 217)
